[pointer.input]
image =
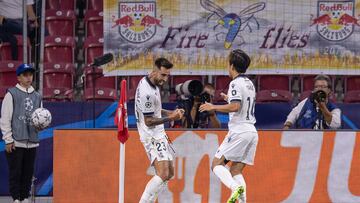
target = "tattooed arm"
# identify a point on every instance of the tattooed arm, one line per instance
(174, 115)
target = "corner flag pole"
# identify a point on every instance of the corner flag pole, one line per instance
(121, 172)
(121, 120)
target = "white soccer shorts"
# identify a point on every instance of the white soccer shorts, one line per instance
(159, 149)
(239, 147)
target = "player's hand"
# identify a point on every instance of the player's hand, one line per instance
(176, 115)
(224, 96)
(206, 107)
(181, 112)
(10, 147)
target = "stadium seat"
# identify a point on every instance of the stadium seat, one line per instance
(221, 85)
(8, 73)
(95, 76)
(267, 82)
(94, 5)
(352, 96)
(352, 89)
(93, 47)
(5, 49)
(94, 23)
(273, 96)
(352, 83)
(59, 49)
(133, 81)
(273, 88)
(57, 94)
(58, 75)
(60, 4)
(3, 91)
(60, 22)
(101, 94)
(175, 80)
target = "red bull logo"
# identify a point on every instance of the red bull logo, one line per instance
(137, 21)
(335, 20)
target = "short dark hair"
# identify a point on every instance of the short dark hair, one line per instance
(324, 77)
(163, 62)
(240, 60)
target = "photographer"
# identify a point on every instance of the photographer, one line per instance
(191, 103)
(316, 111)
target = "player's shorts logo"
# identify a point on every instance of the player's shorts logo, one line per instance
(137, 21)
(148, 105)
(335, 20)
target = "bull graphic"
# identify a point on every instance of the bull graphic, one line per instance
(233, 22)
(125, 21)
(137, 20)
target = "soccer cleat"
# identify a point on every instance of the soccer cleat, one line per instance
(236, 194)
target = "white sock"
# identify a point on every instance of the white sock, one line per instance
(151, 190)
(225, 177)
(241, 181)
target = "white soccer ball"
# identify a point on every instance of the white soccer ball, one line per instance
(41, 118)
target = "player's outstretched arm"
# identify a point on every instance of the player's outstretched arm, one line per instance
(226, 108)
(174, 115)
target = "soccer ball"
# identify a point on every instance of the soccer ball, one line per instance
(41, 118)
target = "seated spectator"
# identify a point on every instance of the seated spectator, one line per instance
(11, 22)
(316, 111)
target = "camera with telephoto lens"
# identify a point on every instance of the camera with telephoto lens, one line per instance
(188, 92)
(189, 88)
(318, 96)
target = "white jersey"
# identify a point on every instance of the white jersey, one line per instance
(242, 90)
(148, 102)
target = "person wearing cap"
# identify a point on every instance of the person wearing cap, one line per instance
(21, 138)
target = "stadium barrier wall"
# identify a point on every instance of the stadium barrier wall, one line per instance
(290, 166)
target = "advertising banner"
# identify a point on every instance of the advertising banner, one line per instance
(281, 36)
(290, 166)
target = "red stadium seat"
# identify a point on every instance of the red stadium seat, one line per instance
(274, 82)
(5, 49)
(101, 94)
(273, 88)
(3, 91)
(95, 77)
(8, 76)
(352, 89)
(352, 96)
(94, 23)
(133, 81)
(221, 85)
(307, 82)
(222, 82)
(175, 80)
(57, 94)
(273, 96)
(94, 5)
(93, 47)
(59, 49)
(60, 22)
(352, 83)
(61, 4)
(58, 75)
